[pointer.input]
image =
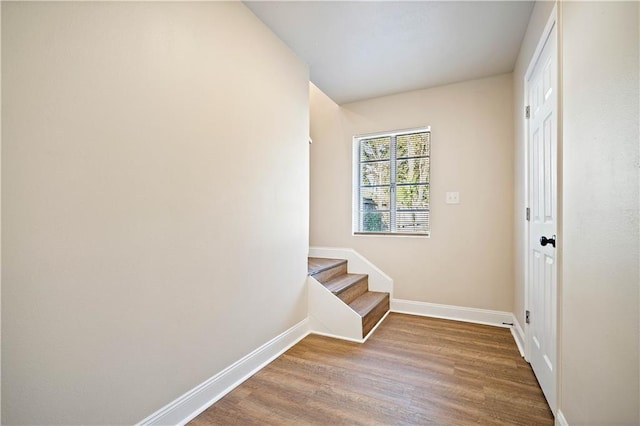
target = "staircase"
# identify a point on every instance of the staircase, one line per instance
(351, 289)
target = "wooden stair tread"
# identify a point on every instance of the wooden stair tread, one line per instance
(342, 282)
(352, 289)
(367, 302)
(315, 265)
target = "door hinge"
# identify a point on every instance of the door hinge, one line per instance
(528, 214)
(527, 316)
(527, 112)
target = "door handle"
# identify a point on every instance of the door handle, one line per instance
(544, 241)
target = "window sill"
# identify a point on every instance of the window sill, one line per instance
(390, 234)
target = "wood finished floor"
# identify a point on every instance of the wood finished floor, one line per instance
(413, 370)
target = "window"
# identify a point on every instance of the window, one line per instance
(391, 183)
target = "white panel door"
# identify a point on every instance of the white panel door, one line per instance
(542, 88)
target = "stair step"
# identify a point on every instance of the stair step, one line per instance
(348, 286)
(352, 289)
(324, 270)
(371, 306)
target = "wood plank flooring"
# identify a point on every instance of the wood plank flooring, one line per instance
(413, 370)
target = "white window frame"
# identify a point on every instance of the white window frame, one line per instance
(355, 186)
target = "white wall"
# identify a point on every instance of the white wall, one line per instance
(154, 202)
(468, 259)
(537, 22)
(599, 334)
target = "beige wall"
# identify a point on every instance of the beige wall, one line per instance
(599, 334)
(154, 202)
(537, 22)
(468, 259)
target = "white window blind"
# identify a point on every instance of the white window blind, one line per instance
(392, 183)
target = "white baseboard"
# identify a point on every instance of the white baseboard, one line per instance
(335, 336)
(198, 399)
(560, 419)
(457, 313)
(316, 330)
(518, 335)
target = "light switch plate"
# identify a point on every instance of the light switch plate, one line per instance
(453, 198)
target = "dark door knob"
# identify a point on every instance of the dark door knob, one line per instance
(544, 241)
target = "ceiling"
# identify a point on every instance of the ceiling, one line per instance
(359, 50)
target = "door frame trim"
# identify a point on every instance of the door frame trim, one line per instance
(552, 21)
(544, 36)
